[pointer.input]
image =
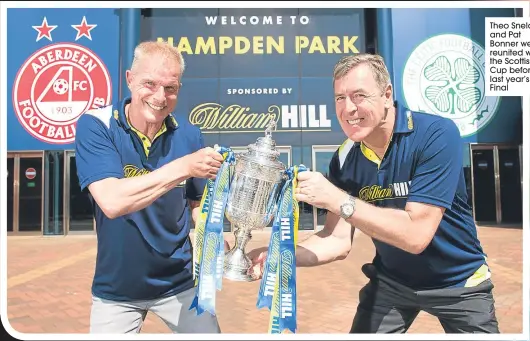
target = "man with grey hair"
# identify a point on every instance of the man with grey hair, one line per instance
(399, 179)
(146, 173)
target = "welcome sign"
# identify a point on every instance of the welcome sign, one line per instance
(246, 67)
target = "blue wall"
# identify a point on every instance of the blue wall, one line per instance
(301, 78)
(423, 36)
(55, 105)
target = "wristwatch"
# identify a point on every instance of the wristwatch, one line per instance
(348, 208)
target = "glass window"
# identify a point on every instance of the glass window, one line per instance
(30, 194)
(321, 158)
(53, 193)
(81, 218)
(467, 174)
(10, 192)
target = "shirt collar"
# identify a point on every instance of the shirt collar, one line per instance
(119, 114)
(404, 122)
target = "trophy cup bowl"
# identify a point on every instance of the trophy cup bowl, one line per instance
(252, 200)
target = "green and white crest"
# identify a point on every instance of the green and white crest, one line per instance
(445, 76)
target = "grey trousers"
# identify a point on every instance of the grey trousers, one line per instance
(389, 307)
(127, 317)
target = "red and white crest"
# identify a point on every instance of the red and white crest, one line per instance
(55, 86)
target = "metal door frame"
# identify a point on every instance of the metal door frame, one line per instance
(314, 150)
(495, 147)
(16, 190)
(68, 155)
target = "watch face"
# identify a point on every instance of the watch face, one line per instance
(347, 209)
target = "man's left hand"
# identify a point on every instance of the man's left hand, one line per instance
(314, 189)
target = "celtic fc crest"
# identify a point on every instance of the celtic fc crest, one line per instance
(445, 76)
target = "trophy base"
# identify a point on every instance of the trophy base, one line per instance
(237, 265)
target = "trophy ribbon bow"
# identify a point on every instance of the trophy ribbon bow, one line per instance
(208, 256)
(278, 285)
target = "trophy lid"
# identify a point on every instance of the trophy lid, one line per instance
(264, 149)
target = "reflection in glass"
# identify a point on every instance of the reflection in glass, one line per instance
(10, 192)
(53, 193)
(284, 158)
(81, 218)
(510, 186)
(30, 194)
(322, 160)
(302, 155)
(467, 175)
(484, 178)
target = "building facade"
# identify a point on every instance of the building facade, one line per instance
(244, 68)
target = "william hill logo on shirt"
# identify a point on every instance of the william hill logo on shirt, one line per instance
(131, 171)
(376, 192)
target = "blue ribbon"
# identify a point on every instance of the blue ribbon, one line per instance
(278, 286)
(268, 282)
(212, 256)
(200, 239)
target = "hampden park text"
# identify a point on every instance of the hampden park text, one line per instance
(265, 44)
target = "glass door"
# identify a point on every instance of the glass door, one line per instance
(497, 183)
(510, 185)
(320, 163)
(483, 184)
(10, 192)
(53, 193)
(28, 192)
(78, 208)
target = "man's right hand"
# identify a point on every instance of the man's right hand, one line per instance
(204, 163)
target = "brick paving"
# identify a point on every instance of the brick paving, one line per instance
(49, 287)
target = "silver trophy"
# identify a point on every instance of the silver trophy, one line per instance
(253, 199)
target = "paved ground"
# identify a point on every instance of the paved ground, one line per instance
(49, 287)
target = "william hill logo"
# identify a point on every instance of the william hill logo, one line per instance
(214, 117)
(376, 192)
(131, 171)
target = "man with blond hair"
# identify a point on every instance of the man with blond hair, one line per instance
(146, 173)
(399, 179)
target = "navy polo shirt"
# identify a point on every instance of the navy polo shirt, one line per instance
(423, 163)
(145, 254)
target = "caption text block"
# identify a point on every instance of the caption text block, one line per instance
(507, 56)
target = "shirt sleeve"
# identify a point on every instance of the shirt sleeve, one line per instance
(195, 186)
(96, 156)
(439, 167)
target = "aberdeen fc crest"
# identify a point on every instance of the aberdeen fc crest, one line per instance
(56, 85)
